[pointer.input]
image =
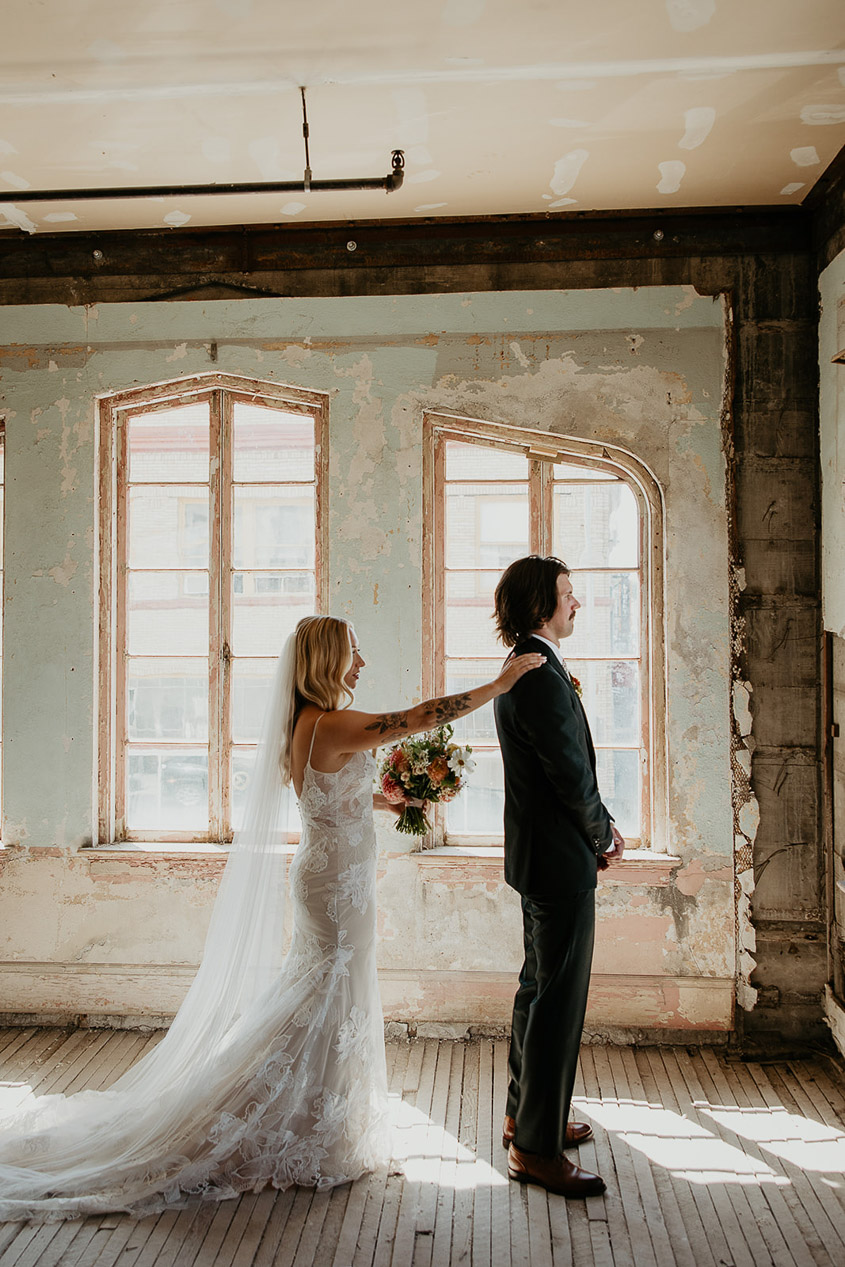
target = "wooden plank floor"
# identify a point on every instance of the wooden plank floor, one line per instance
(710, 1162)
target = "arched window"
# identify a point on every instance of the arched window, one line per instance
(211, 548)
(497, 493)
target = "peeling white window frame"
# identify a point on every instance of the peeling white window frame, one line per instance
(221, 391)
(543, 450)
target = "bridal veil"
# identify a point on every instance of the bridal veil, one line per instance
(56, 1151)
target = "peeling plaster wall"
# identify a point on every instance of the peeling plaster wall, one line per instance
(832, 439)
(105, 933)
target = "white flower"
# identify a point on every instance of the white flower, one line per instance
(461, 762)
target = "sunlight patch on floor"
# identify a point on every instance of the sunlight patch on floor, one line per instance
(673, 1141)
(805, 1143)
(422, 1147)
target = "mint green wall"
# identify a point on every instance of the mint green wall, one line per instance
(640, 369)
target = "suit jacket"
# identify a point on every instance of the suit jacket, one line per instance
(555, 823)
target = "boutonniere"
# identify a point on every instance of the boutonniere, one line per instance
(573, 679)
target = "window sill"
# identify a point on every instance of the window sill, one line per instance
(205, 849)
(173, 848)
(640, 866)
(160, 857)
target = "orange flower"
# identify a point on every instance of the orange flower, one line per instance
(438, 769)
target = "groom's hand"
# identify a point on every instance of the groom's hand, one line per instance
(614, 854)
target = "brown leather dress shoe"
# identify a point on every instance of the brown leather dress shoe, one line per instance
(576, 1133)
(555, 1174)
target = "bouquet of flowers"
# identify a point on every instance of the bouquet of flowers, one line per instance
(428, 767)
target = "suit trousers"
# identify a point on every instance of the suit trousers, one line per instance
(548, 1018)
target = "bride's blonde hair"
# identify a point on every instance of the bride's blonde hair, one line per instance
(323, 650)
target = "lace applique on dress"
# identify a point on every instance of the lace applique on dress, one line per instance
(356, 885)
(354, 1037)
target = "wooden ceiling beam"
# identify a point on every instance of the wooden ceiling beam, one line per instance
(386, 256)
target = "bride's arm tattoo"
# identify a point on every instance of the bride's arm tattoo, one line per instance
(385, 722)
(449, 707)
(439, 710)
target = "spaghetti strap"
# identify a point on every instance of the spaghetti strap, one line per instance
(313, 733)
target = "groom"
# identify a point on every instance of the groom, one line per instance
(557, 835)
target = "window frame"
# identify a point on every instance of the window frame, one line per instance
(543, 450)
(221, 392)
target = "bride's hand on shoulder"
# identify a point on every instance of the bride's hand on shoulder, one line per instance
(516, 667)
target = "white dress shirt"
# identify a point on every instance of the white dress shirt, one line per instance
(556, 650)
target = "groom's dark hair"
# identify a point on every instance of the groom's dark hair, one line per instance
(526, 596)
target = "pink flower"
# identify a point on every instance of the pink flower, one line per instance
(399, 760)
(391, 790)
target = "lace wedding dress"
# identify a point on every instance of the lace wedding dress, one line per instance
(292, 1091)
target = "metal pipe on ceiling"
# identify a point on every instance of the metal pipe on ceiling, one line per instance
(388, 183)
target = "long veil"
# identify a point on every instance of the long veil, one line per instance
(105, 1150)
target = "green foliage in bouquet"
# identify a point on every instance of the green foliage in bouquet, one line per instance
(423, 769)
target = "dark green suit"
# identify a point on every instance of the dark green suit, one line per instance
(555, 829)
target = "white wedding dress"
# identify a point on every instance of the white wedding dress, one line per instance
(290, 1090)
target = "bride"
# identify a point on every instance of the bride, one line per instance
(273, 1069)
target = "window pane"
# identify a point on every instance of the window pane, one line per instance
(611, 698)
(272, 445)
(486, 525)
(470, 630)
(167, 789)
(479, 808)
(562, 471)
(266, 607)
(169, 446)
(243, 767)
(274, 527)
(478, 462)
(168, 527)
(167, 699)
(618, 774)
(251, 683)
(167, 613)
(477, 727)
(596, 525)
(608, 623)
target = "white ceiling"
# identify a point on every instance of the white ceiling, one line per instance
(501, 106)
